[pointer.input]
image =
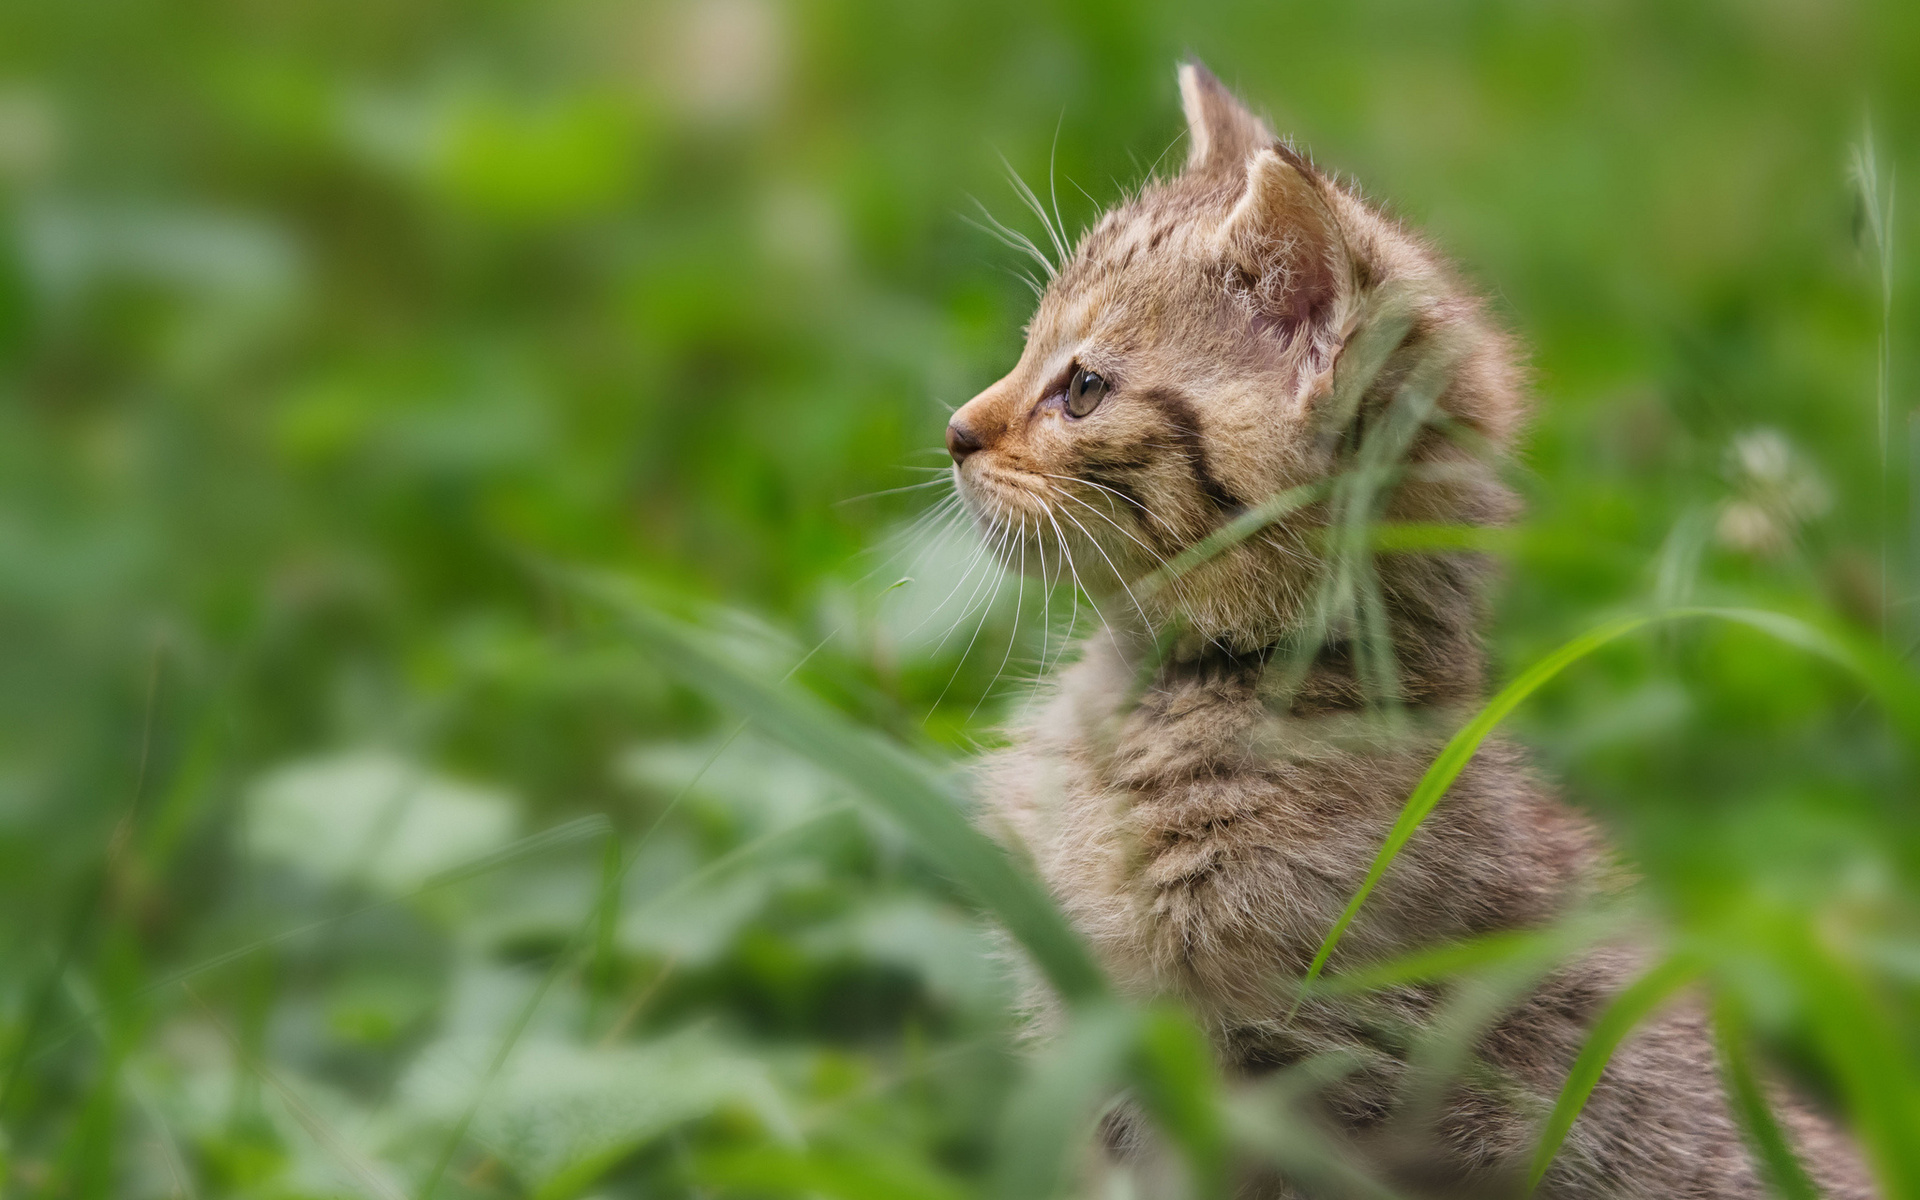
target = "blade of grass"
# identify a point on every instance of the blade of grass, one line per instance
(1459, 957)
(614, 872)
(1445, 1046)
(1246, 525)
(1629, 1008)
(1865, 1050)
(1788, 1178)
(1877, 208)
(1180, 1086)
(1048, 1119)
(83, 998)
(1453, 758)
(572, 950)
(1891, 683)
(900, 787)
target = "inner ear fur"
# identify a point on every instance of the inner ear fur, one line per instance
(1283, 239)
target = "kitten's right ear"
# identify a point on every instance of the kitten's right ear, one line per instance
(1285, 239)
(1221, 132)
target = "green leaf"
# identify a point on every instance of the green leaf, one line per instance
(1456, 958)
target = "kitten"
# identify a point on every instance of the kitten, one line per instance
(1204, 787)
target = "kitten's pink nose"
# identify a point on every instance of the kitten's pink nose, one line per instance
(961, 441)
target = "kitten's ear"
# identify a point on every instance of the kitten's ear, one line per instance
(1284, 237)
(1221, 132)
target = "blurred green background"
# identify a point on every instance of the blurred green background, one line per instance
(324, 325)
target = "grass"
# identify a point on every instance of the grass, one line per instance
(344, 852)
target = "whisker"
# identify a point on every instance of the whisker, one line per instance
(1032, 201)
(1046, 598)
(910, 540)
(1118, 495)
(981, 624)
(989, 581)
(966, 573)
(1018, 600)
(1066, 552)
(1101, 550)
(1053, 189)
(893, 491)
(1151, 553)
(1012, 239)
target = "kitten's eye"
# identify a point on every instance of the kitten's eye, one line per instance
(1084, 392)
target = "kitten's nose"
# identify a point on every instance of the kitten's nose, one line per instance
(961, 441)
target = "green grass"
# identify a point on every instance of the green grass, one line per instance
(481, 721)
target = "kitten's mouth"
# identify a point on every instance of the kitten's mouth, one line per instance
(1036, 523)
(999, 498)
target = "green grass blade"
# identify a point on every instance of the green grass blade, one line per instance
(1788, 1178)
(1855, 1031)
(1178, 1081)
(1892, 683)
(1453, 759)
(903, 789)
(1468, 954)
(1628, 1009)
(589, 828)
(1047, 1122)
(1231, 534)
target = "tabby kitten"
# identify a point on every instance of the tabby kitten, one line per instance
(1204, 787)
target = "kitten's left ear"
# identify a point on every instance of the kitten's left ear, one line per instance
(1284, 237)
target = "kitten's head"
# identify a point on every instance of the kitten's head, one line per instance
(1182, 367)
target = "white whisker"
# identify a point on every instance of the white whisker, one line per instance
(1101, 550)
(981, 624)
(894, 491)
(1018, 600)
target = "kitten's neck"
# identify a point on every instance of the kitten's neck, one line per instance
(1335, 675)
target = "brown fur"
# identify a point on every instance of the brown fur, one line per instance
(1204, 832)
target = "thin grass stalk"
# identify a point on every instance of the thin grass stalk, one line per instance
(1894, 687)
(1785, 1174)
(1555, 941)
(1876, 208)
(565, 959)
(316, 1126)
(1640, 1000)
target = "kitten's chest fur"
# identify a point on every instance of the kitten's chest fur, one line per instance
(1205, 842)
